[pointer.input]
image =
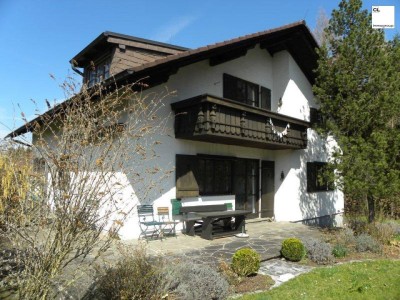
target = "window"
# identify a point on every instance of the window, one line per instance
(209, 175)
(315, 116)
(246, 92)
(198, 175)
(319, 177)
(215, 176)
(98, 73)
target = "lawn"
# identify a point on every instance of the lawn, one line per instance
(378, 279)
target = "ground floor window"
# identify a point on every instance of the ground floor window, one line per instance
(319, 177)
(207, 175)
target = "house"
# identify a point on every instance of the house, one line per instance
(243, 120)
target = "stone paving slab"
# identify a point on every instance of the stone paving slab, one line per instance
(281, 270)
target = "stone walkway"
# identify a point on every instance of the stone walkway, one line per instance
(264, 237)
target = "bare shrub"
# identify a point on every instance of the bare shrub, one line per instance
(14, 186)
(358, 226)
(135, 276)
(346, 237)
(92, 148)
(383, 232)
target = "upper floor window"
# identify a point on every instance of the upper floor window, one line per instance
(98, 73)
(246, 92)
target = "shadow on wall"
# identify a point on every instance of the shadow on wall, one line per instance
(152, 171)
(323, 203)
(315, 208)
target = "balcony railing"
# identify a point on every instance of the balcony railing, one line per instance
(217, 120)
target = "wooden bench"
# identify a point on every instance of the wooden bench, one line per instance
(209, 215)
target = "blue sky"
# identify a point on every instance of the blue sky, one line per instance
(39, 37)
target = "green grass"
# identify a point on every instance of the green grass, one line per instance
(378, 279)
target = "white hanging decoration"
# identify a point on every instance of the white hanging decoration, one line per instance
(278, 133)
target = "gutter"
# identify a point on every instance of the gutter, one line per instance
(73, 62)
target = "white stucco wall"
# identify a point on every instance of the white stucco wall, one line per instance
(281, 74)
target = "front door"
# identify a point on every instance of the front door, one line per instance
(246, 177)
(267, 189)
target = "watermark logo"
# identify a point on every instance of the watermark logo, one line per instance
(382, 16)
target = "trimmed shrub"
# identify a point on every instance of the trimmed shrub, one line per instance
(339, 251)
(318, 251)
(190, 281)
(365, 243)
(246, 262)
(293, 249)
(135, 276)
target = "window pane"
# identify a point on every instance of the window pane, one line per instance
(202, 175)
(252, 94)
(209, 180)
(222, 176)
(240, 90)
(319, 177)
(106, 70)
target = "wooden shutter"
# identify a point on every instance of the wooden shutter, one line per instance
(186, 176)
(229, 87)
(311, 177)
(265, 98)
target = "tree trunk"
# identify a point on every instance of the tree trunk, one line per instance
(371, 208)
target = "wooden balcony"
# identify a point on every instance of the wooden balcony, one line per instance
(216, 120)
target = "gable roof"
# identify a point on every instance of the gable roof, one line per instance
(296, 38)
(108, 39)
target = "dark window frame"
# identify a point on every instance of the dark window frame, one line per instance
(240, 90)
(317, 178)
(209, 173)
(97, 72)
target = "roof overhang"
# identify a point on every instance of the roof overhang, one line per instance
(296, 38)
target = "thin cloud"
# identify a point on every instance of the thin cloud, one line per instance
(168, 32)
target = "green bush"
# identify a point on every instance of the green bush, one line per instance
(293, 249)
(246, 262)
(339, 251)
